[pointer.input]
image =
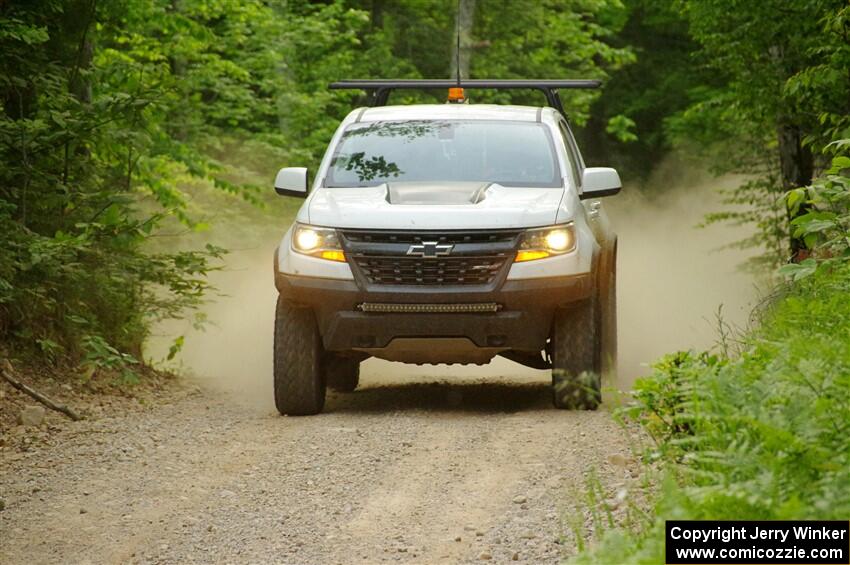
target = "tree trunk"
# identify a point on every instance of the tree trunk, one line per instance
(464, 21)
(377, 14)
(77, 31)
(77, 46)
(796, 160)
(797, 165)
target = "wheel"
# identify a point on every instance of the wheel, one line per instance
(576, 357)
(342, 373)
(299, 378)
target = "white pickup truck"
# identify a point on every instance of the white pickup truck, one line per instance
(446, 233)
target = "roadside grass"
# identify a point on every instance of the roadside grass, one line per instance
(761, 435)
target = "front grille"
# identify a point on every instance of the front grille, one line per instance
(410, 270)
(474, 258)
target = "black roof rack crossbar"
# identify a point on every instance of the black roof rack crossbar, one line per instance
(378, 90)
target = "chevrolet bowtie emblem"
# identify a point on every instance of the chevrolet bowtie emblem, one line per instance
(430, 249)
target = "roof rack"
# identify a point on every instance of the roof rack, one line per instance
(378, 90)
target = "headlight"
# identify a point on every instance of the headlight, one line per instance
(545, 242)
(317, 242)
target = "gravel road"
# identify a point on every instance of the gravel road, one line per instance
(418, 472)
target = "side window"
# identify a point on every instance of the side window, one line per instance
(572, 153)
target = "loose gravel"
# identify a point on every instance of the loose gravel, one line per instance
(409, 473)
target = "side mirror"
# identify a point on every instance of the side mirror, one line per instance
(599, 181)
(291, 181)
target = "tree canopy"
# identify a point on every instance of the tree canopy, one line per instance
(108, 110)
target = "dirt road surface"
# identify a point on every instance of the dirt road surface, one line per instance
(396, 472)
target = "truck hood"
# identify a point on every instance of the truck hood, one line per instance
(461, 205)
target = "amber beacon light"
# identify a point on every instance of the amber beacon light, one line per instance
(456, 94)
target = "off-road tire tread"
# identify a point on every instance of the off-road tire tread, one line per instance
(576, 358)
(299, 380)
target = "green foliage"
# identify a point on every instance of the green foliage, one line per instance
(100, 356)
(781, 62)
(665, 399)
(647, 91)
(762, 436)
(753, 88)
(822, 219)
(779, 96)
(530, 39)
(622, 128)
(100, 128)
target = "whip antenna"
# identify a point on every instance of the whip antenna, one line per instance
(457, 53)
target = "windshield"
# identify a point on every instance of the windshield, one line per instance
(504, 152)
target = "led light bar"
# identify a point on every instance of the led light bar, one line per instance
(388, 308)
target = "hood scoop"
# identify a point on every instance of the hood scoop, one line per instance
(436, 194)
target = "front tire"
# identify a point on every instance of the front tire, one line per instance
(299, 378)
(576, 357)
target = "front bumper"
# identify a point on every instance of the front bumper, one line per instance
(522, 323)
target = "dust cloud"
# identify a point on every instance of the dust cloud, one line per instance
(672, 278)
